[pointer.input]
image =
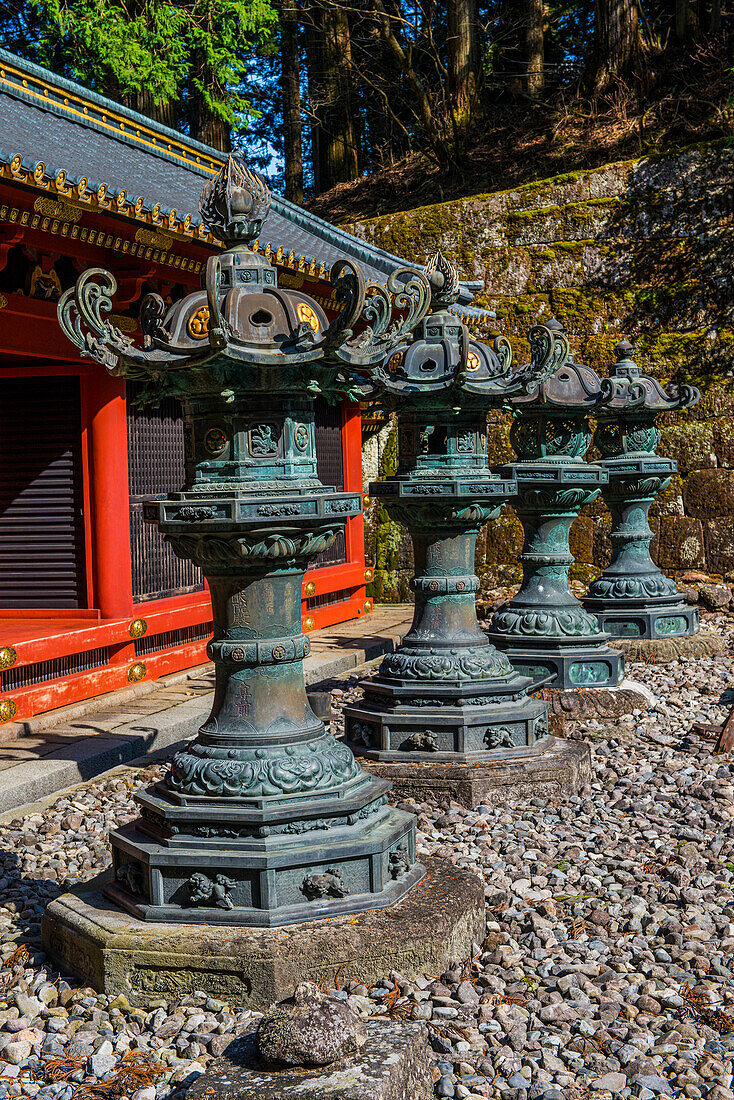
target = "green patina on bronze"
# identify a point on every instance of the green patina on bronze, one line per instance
(446, 694)
(215, 841)
(633, 598)
(544, 629)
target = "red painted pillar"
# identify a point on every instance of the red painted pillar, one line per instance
(110, 497)
(352, 451)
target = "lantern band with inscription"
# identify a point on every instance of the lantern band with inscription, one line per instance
(265, 819)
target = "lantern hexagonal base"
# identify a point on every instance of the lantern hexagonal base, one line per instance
(204, 859)
(572, 666)
(252, 967)
(630, 619)
(488, 729)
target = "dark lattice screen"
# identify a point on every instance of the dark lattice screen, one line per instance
(156, 465)
(330, 468)
(42, 557)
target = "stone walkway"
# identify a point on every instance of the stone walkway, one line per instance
(62, 747)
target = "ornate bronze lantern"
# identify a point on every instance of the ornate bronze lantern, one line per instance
(265, 819)
(446, 694)
(544, 630)
(632, 598)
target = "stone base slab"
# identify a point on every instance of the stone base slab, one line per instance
(559, 769)
(660, 651)
(394, 1064)
(598, 702)
(252, 967)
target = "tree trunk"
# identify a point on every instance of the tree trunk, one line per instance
(682, 19)
(619, 51)
(204, 124)
(330, 88)
(144, 103)
(405, 66)
(462, 44)
(291, 89)
(532, 47)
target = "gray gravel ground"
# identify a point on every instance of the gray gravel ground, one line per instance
(608, 967)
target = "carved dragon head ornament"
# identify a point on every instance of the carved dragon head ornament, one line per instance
(235, 203)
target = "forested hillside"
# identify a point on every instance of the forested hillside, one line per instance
(364, 106)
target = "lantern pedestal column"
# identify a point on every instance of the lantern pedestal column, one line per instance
(633, 598)
(446, 712)
(544, 630)
(265, 819)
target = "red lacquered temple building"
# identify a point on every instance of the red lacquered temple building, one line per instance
(91, 598)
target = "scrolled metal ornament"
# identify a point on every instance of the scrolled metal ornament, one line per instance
(80, 312)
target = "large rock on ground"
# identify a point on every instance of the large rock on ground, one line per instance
(310, 1029)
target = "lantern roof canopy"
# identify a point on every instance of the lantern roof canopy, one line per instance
(242, 315)
(568, 384)
(634, 390)
(438, 361)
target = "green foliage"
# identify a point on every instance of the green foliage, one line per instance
(167, 49)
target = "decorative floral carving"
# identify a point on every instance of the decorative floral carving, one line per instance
(328, 885)
(216, 893)
(566, 437)
(227, 550)
(301, 436)
(540, 730)
(193, 514)
(278, 510)
(424, 741)
(362, 733)
(632, 588)
(483, 663)
(569, 500)
(574, 622)
(195, 772)
(131, 876)
(263, 440)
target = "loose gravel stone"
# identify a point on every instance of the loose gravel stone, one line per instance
(607, 968)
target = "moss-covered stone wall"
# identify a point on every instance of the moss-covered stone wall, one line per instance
(642, 249)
